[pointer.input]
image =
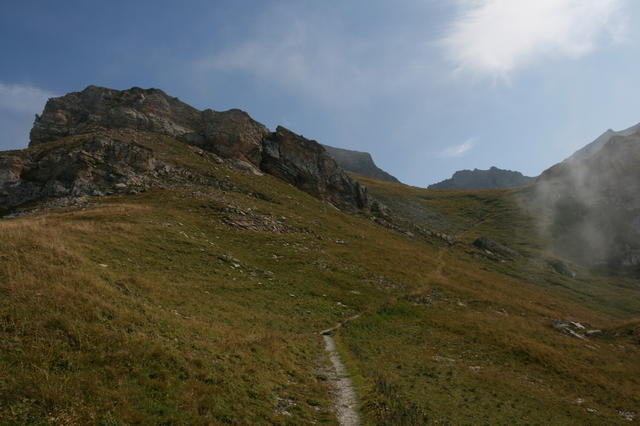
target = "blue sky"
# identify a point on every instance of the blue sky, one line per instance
(428, 87)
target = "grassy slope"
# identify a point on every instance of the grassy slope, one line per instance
(126, 313)
(484, 351)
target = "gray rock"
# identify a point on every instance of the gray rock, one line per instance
(94, 167)
(561, 267)
(485, 243)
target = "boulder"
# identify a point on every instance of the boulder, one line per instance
(561, 267)
(494, 247)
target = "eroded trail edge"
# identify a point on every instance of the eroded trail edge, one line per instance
(345, 399)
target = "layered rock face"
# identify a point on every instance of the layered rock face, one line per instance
(232, 134)
(359, 162)
(307, 165)
(590, 206)
(494, 178)
(96, 166)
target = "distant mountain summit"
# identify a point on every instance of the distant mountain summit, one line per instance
(494, 178)
(358, 162)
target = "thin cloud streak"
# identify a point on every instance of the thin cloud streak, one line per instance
(497, 37)
(459, 150)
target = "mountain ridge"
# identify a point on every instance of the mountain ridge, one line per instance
(359, 162)
(492, 178)
(600, 142)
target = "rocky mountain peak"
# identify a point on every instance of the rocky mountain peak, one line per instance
(233, 135)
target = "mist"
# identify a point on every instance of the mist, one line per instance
(587, 208)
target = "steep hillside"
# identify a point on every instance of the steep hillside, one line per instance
(359, 162)
(589, 208)
(147, 280)
(494, 178)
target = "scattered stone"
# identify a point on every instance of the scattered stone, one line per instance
(627, 415)
(475, 368)
(235, 263)
(258, 223)
(561, 267)
(260, 272)
(593, 332)
(442, 358)
(493, 247)
(284, 405)
(569, 328)
(432, 297)
(245, 167)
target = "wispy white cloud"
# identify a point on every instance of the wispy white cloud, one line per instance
(497, 37)
(296, 56)
(321, 59)
(459, 150)
(24, 99)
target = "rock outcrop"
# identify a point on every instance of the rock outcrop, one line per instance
(494, 178)
(589, 208)
(359, 162)
(95, 166)
(232, 134)
(494, 247)
(307, 165)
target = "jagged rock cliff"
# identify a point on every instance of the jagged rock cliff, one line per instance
(494, 178)
(91, 114)
(359, 162)
(94, 166)
(307, 165)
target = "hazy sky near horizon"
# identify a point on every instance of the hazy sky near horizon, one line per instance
(427, 87)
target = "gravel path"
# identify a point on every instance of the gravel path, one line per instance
(345, 399)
